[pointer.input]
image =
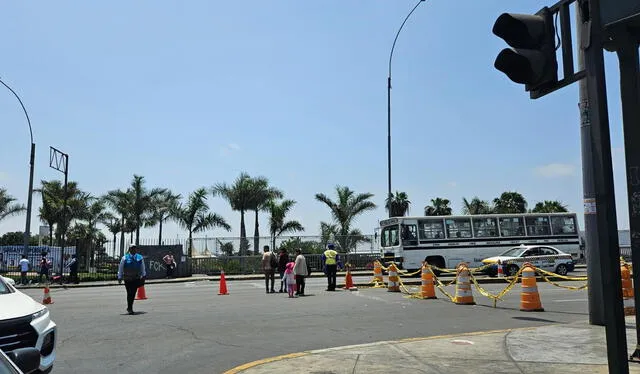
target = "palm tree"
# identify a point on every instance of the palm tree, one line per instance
(262, 194)
(122, 204)
(194, 216)
(163, 206)
(278, 224)
(510, 202)
(328, 232)
(142, 207)
(398, 205)
(550, 207)
(239, 196)
(476, 206)
(94, 214)
(438, 207)
(54, 213)
(8, 207)
(344, 211)
(114, 226)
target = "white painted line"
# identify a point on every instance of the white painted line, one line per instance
(568, 300)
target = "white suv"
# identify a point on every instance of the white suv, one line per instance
(26, 323)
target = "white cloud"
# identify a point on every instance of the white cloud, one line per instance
(229, 149)
(556, 170)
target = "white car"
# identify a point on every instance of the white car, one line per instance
(8, 280)
(541, 256)
(26, 323)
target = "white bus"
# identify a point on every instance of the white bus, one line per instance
(445, 241)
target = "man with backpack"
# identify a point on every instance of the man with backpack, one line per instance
(269, 266)
(133, 271)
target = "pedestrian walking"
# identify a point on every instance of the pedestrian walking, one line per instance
(133, 271)
(45, 264)
(330, 260)
(24, 268)
(269, 266)
(300, 271)
(283, 260)
(170, 263)
(73, 269)
(289, 278)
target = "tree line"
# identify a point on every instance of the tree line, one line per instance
(508, 202)
(125, 211)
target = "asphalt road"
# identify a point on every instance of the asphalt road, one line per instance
(189, 328)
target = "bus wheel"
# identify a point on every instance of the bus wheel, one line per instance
(512, 270)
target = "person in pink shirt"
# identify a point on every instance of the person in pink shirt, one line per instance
(289, 278)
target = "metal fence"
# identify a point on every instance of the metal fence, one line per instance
(99, 261)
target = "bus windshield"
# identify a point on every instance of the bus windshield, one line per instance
(514, 252)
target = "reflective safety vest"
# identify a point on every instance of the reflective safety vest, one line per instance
(330, 255)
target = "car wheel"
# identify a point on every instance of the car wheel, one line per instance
(562, 269)
(512, 270)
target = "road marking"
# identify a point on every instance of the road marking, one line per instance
(568, 300)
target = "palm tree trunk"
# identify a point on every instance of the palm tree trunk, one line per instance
(122, 238)
(137, 235)
(256, 237)
(190, 245)
(243, 236)
(50, 235)
(115, 235)
(160, 234)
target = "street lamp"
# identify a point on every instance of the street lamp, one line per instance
(27, 229)
(389, 195)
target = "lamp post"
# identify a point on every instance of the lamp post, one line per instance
(389, 194)
(27, 228)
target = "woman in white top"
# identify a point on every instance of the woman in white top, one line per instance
(300, 271)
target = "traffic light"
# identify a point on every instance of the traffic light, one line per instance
(532, 60)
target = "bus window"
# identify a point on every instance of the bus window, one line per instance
(563, 225)
(538, 226)
(511, 226)
(485, 227)
(389, 237)
(409, 235)
(431, 229)
(458, 228)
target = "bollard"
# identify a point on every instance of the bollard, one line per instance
(464, 294)
(394, 280)
(427, 289)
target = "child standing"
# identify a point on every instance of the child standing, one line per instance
(288, 278)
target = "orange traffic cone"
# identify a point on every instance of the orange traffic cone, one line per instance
(223, 284)
(427, 290)
(500, 270)
(47, 297)
(464, 293)
(627, 290)
(394, 280)
(348, 282)
(141, 294)
(529, 297)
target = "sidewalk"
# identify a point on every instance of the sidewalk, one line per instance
(570, 348)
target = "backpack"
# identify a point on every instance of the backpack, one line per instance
(273, 261)
(132, 267)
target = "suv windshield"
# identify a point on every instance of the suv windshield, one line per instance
(514, 252)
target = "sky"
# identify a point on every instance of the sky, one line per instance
(190, 94)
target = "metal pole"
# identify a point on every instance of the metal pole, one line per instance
(64, 214)
(594, 289)
(607, 247)
(389, 194)
(27, 229)
(630, 91)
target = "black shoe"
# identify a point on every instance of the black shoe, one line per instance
(273, 291)
(129, 310)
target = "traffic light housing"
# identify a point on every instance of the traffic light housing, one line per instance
(532, 59)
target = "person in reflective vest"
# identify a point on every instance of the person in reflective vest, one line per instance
(133, 271)
(330, 261)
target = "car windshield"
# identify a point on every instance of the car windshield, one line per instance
(514, 252)
(5, 366)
